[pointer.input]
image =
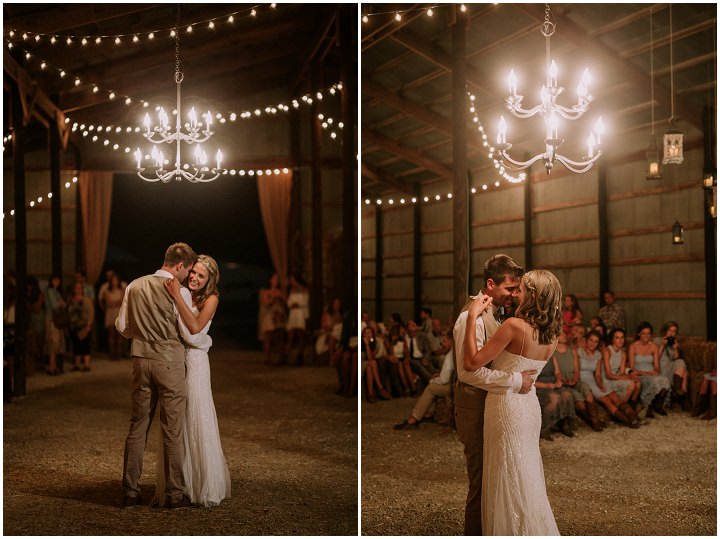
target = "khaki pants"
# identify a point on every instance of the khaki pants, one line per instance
(156, 383)
(432, 390)
(469, 420)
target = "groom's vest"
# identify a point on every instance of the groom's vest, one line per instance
(152, 321)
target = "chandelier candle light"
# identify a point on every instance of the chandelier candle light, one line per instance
(551, 111)
(196, 133)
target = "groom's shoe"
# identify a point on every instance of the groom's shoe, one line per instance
(130, 501)
(183, 502)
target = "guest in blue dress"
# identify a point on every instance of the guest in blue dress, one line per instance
(627, 386)
(672, 366)
(644, 361)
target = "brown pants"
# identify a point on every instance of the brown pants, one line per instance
(469, 420)
(157, 382)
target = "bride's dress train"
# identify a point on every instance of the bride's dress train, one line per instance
(514, 499)
(207, 478)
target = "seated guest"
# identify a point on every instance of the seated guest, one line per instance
(556, 402)
(331, 322)
(707, 397)
(577, 336)
(644, 361)
(426, 320)
(611, 314)
(590, 372)
(399, 353)
(370, 366)
(437, 343)
(672, 366)
(439, 386)
(572, 313)
(598, 326)
(419, 350)
(626, 386)
(569, 366)
(388, 366)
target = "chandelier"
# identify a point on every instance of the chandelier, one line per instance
(196, 132)
(551, 111)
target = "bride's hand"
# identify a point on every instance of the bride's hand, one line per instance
(479, 305)
(173, 288)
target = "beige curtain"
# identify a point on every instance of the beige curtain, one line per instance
(95, 201)
(274, 192)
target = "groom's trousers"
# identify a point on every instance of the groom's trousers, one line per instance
(469, 420)
(154, 383)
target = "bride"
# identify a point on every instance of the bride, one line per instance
(207, 478)
(514, 500)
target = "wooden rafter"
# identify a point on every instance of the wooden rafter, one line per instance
(407, 153)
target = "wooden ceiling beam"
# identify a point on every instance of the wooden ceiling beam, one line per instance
(313, 46)
(643, 13)
(677, 35)
(388, 30)
(407, 153)
(382, 178)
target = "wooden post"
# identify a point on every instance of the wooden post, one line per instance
(21, 306)
(527, 200)
(296, 260)
(710, 230)
(348, 75)
(55, 209)
(460, 188)
(316, 241)
(603, 230)
(417, 257)
(378, 264)
(79, 246)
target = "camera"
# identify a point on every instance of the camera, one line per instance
(671, 341)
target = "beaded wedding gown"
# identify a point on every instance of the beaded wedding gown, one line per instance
(207, 478)
(514, 500)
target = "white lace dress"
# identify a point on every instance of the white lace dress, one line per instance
(207, 478)
(514, 499)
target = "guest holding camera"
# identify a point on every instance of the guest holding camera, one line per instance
(672, 366)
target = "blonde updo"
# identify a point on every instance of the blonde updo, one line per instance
(541, 307)
(210, 288)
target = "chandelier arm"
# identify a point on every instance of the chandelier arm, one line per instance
(521, 165)
(578, 166)
(569, 114)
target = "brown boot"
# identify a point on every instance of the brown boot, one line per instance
(620, 416)
(630, 414)
(594, 416)
(712, 411)
(658, 403)
(701, 405)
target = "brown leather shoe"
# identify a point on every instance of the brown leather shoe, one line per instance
(183, 502)
(130, 501)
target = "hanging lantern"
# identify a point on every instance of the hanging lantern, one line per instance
(672, 145)
(709, 180)
(678, 234)
(654, 168)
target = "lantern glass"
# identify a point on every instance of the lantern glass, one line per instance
(672, 146)
(678, 234)
(709, 180)
(654, 168)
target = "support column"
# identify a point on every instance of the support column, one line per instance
(79, 245)
(527, 203)
(296, 260)
(316, 243)
(417, 256)
(349, 106)
(379, 264)
(461, 222)
(55, 209)
(604, 243)
(21, 306)
(710, 230)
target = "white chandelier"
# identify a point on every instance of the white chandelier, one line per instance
(551, 111)
(197, 132)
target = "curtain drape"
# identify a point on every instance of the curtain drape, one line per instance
(274, 192)
(95, 201)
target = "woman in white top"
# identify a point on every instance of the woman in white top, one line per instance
(298, 302)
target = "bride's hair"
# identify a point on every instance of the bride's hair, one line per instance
(210, 287)
(541, 307)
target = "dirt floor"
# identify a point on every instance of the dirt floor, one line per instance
(290, 444)
(657, 480)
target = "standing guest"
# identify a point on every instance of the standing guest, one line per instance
(298, 302)
(627, 386)
(556, 402)
(399, 351)
(439, 386)
(88, 291)
(8, 338)
(272, 314)
(110, 299)
(419, 350)
(331, 329)
(612, 315)
(36, 321)
(569, 366)
(644, 361)
(707, 397)
(370, 366)
(672, 365)
(82, 316)
(56, 321)
(571, 313)
(590, 372)
(426, 320)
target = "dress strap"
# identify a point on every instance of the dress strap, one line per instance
(523, 341)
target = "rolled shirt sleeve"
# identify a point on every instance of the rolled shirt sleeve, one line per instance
(493, 381)
(121, 322)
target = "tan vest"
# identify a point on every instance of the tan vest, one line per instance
(152, 322)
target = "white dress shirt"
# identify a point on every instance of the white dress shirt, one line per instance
(196, 341)
(448, 367)
(488, 379)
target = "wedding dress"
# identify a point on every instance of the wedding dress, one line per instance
(514, 500)
(207, 478)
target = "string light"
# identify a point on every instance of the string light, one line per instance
(40, 199)
(397, 15)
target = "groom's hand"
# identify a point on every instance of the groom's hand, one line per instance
(527, 381)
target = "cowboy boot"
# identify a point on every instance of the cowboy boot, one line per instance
(712, 411)
(630, 414)
(658, 403)
(701, 405)
(594, 416)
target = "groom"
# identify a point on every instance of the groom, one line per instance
(149, 317)
(501, 277)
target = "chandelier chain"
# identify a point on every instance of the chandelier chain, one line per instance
(652, 78)
(548, 27)
(178, 72)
